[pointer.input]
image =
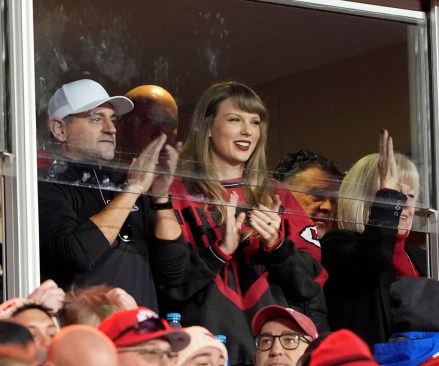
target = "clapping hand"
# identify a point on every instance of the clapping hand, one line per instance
(141, 172)
(233, 226)
(166, 167)
(266, 221)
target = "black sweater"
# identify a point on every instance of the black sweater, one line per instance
(75, 252)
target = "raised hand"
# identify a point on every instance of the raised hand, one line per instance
(166, 167)
(121, 298)
(141, 172)
(387, 168)
(266, 221)
(49, 295)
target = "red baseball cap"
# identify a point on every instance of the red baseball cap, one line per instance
(342, 348)
(130, 327)
(275, 311)
(432, 361)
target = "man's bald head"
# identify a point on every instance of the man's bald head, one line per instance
(155, 112)
(151, 92)
(83, 345)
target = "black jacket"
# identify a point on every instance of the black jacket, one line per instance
(75, 252)
(361, 271)
(223, 293)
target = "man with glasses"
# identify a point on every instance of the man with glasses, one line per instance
(97, 226)
(143, 339)
(281, 335)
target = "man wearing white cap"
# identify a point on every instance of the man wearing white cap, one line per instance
(96, 225)
(281, 335)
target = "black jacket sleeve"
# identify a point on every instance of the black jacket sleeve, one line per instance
(170, 261)
(65, 236)
(353, 257)
(294, 271)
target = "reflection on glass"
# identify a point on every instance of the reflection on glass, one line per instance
(327, 89)
(52, 170)
(314, 181)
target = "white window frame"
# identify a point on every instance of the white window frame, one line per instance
(19, 165)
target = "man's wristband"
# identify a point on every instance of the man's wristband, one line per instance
(161, 206)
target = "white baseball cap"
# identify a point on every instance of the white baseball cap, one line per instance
(83, 95)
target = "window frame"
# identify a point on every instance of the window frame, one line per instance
(19, 161)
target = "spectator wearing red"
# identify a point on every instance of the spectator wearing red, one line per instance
(143, 339)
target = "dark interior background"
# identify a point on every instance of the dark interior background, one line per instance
(330, 80)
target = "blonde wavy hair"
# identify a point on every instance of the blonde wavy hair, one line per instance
(196, 155)
(360, 186)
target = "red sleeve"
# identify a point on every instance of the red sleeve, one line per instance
(299, 228)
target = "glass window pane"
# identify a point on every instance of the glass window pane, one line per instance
(330, 81)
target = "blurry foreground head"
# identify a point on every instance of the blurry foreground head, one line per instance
(37, 319)
(81, 344)
(203, 348)
(339, 348)
(12, 355)
(15, 339)
(93, 304)
(142, 338)
(155, 112)
(281, 335)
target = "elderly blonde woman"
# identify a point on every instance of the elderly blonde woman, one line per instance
(375, 213)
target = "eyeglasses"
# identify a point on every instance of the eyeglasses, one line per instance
(95, 117)
(289, 341)
(145, 326)
(151, 355)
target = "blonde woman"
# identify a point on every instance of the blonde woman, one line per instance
(368, 252)
(244, 228)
